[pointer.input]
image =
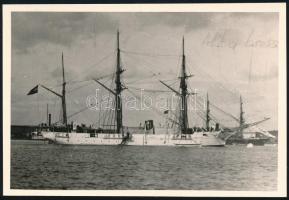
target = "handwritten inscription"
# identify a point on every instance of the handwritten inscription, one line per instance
(221, 39)
(251, 42)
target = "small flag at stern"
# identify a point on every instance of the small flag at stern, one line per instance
(33, 90)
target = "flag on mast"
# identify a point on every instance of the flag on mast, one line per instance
(33, 90)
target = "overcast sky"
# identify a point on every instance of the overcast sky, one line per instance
(228, 53)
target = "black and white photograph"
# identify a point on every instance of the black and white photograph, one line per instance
(183, 100)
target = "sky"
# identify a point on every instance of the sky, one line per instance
(228, 54)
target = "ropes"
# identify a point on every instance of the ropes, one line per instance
(77, 88)
(138, 80)
(82, 110)
(108, 116)
(99, 62)
(148, 66)
(150, 55)
(105, 76)
(218, 83)
(228, 114)
(150, 81)
(157, 111)
(221, 110)
(69, 116)
(202, 113)
(148, 90)
(72, 82)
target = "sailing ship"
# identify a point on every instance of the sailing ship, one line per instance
(249, 133)
(176, 133)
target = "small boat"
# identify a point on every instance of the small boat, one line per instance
(36, 135)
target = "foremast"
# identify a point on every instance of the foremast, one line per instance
(62, 95)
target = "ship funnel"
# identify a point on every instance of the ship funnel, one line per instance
(49, 120)
(149, 124)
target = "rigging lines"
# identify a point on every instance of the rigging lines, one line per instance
(224, 112)
(218, 83)
(148, 54)
(157, 111)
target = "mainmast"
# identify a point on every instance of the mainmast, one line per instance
(64, 117)
(118, 90)
(184, 93)
(208, 113)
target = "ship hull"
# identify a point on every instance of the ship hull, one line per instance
(50, 136)
(245, 141)
(137, 139)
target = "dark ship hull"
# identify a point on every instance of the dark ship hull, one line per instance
(245, 141)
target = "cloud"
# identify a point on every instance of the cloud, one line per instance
(272, 74)
(263, 16)
(187, 20)
(33, 28)
(30, 29)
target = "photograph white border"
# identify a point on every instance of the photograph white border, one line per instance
(236, 7)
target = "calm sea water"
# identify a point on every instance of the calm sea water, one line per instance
(48, 166)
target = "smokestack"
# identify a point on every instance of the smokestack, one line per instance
(49, 119)
(217, 128)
